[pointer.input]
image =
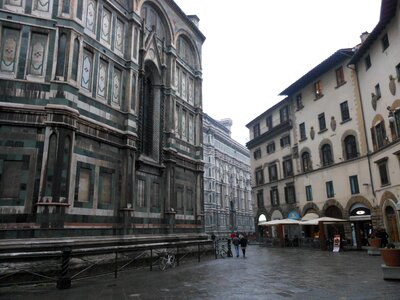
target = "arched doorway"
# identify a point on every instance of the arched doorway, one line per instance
(392, 228)
(334, 229)
(361, 226)
(262, 218)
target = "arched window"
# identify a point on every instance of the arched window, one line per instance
(62, 45)
(185, 51)
(65, 167)
(153, 21)
(326, 152)
(306, 161)
(51, 161)
(75, 60)
(65, 7)
(350, 147)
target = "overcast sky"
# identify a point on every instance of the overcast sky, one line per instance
(254, 49)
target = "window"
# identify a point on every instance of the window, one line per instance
(385, 42)
(284, 114)
(84, 186)
(377, 91)
(318, 89)
(367, 62)
(287, 167)
(271, 147)
(290, 195)
(326, 152)
(274, 196)
(397, 123)
(257, 153)
(339, 76)
(260, 199)
(259, 177)
(269, 122)
(62, 46)
(306, 161)
(350, 147)
(354, 185)
(321, 122)
(309, 193)
(302, 129)
(9, 50)
(75, 60)
(383, 171)
(87, 65)
(37, 54)
(91, 12)
(273, 172)
(105, 186)
(398, 72)
(299, 101)
(10, 179)
(378, 135)
(285, 141)
(140, 193)
(256, 130)
(329, 189)
(344, 110)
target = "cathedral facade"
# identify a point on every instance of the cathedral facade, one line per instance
(100, 118)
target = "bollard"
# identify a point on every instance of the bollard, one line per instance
(64, 281)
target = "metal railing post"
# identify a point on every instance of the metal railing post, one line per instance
(64, 281)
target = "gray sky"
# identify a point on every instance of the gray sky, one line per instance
(254, 49)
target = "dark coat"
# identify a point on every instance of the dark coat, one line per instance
(243, 242)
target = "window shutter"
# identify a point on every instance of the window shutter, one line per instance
(373, 138)
(392, 130)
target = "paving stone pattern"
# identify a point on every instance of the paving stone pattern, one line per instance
(265, 273)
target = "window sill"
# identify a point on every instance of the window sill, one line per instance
(318, 97)
(386, 184)
(340, 84)
(303, 139)
(322, 131)
(299, 108)
(345, 121)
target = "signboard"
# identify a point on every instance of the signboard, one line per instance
(336, 243)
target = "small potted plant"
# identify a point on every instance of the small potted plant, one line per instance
(391, 255)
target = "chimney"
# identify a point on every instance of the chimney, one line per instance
(195, 20)
(364, 36)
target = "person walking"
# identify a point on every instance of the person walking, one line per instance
(236, 243)
(243, 245)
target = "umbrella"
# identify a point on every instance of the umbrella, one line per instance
(280, 222)
(323, 220)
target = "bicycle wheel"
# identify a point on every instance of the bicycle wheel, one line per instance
(163, 263)
(222, 253)
(173, 261)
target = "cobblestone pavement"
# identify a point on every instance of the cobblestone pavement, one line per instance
(266, 273)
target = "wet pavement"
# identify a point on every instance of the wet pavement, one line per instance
(266, 273)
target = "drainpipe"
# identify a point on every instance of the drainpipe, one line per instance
(365, 131)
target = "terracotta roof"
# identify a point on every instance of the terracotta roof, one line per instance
(316, 72)
(388, 11)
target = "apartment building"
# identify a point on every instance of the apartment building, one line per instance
(331, 164)
(227, 189)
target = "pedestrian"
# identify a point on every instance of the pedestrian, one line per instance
(236, 243)
(243, 245)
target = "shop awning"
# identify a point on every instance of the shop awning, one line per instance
(326, 220)
(281, 222)
(309, 216)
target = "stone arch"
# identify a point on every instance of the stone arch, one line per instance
(183, 37)
(166, 31)
(310, 206)
(310, 166)
(333, 202)
(358, 199)
(390, 216)
(396, 104)
(377, 119)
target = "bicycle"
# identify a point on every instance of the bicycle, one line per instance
(221, 251)
(167, 260)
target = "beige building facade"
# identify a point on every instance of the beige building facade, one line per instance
(313, 154)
